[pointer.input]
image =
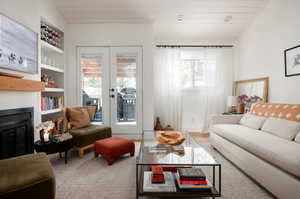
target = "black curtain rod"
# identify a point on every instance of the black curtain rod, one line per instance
(191, 46)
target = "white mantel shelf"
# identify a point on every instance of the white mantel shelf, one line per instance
(51, 111)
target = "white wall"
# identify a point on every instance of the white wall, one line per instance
(112, 35)
(28, 13)
(261, 49)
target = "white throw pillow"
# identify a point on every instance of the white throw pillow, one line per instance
(252, 121)
(282, 128)
(297, 139)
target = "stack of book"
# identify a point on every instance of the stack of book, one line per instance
(167, 186)
(49, 103)
(192, 179)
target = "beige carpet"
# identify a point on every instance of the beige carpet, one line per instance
(92, 178)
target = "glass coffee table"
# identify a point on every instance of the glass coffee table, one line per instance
(189, 154)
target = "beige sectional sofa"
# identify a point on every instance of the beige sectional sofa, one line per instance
(265, 144)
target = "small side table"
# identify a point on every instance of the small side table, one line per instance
(61, 146)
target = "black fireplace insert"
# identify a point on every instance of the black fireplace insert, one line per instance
(16, 132)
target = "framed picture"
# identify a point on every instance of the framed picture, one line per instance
(18, 46)
(292, 61)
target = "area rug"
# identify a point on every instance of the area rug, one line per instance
(92, 178)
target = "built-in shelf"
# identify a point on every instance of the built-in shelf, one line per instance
(51, 68)
(51, 111)
(53, 90)
(15, 84)
(49, 47)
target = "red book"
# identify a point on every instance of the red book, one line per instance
(174, 168)
(193, 182)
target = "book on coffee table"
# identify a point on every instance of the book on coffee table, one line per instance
(168, 186)
(191, 174)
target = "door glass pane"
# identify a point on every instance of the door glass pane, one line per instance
(91, 65)
(126, 88)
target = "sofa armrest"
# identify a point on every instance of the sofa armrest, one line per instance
(225, 119)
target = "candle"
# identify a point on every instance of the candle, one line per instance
(46, 136)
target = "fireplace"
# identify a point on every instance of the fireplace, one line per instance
(16, 132)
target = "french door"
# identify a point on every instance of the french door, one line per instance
(110, 80)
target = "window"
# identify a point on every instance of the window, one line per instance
(193, 73)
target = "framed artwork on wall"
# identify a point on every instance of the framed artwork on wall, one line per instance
(292, 61)
(18, 46)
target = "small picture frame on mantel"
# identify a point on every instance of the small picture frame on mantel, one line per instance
(292, 61)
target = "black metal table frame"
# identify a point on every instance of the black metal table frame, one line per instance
(215, 192)
(66, 156)
(58, 150)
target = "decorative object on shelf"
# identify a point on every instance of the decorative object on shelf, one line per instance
(49, 82)
(292, 61)
(11, 75)
(45, 130)
(252, 100)
(157, 174)
(158, 125)
(172, 138)
(232, 103)
(168, 128)
(45, 79)
(51, 35)
(18, 46)
(242, 100)
(246, 102)
(58, 126)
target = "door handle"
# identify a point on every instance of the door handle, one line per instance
(112, 90)
(112, 96)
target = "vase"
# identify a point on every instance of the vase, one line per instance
(242, 108)
(42, 136)
(158, 125)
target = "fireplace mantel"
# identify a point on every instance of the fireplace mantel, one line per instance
(15, 84)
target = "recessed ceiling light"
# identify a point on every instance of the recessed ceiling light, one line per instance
(180, 18)
(228, 18)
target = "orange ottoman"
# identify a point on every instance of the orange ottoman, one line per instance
(113, 147)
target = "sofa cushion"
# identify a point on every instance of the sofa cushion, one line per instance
(27, 176)
(275, 150)
(79, 117)
(252, 121)
(282, 111)
(88, 135)
(297, 139)
(281, 128)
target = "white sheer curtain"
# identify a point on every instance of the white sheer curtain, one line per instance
(167, 87)
(185, 100)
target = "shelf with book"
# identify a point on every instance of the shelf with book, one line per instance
(52, 70)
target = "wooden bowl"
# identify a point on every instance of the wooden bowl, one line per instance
(172, 138)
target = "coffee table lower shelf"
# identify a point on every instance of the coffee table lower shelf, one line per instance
(181, 194)
(177, 194)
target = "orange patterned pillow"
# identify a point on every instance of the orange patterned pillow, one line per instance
(282, 111)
